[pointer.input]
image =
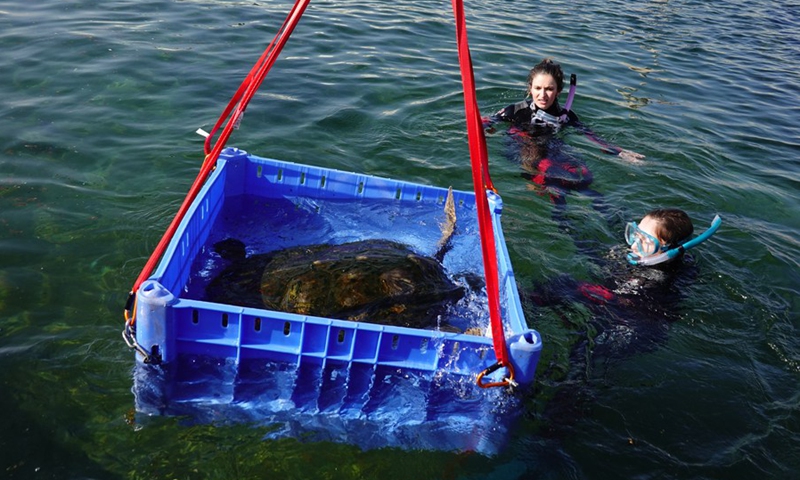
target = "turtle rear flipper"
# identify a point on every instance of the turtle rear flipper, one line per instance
(448, 227)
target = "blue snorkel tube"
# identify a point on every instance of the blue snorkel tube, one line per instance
(674, 252)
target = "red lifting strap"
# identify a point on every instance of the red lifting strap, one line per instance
(237, 105)
(481, 182)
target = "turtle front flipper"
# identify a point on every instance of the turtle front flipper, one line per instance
(239, 282)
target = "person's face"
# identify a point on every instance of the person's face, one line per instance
(544, 90)
(648, 225)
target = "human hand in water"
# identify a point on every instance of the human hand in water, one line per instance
(631, 157)
(488, 124)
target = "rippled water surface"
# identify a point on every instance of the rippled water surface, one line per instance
(100, 101)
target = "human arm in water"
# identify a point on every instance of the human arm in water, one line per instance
(606, 147)
(519, 115)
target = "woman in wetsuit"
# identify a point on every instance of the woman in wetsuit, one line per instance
(535, 120)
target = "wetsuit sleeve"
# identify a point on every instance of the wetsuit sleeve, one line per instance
(565, 289)
(605, 146)
(503, 115)
(516, 113)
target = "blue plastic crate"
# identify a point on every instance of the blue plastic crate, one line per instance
(252, 364)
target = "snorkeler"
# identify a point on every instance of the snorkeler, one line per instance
(631, 309)
(536, 119)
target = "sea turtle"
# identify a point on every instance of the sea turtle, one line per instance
(377, 280)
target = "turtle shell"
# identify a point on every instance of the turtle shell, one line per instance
(377, 281)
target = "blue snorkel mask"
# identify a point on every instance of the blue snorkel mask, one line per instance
(651, 248)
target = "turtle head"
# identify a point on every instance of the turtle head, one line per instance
(231, 249)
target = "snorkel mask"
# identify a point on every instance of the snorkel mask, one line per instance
(543, 118)
(651, 249)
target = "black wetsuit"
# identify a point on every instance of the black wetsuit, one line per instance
(522, 115)
(543, 156)
(628, 311)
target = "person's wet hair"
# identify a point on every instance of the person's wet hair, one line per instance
(674, 225)
(549, 67)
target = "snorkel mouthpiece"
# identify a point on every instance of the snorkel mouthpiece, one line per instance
(649, 260)
(662, 257)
